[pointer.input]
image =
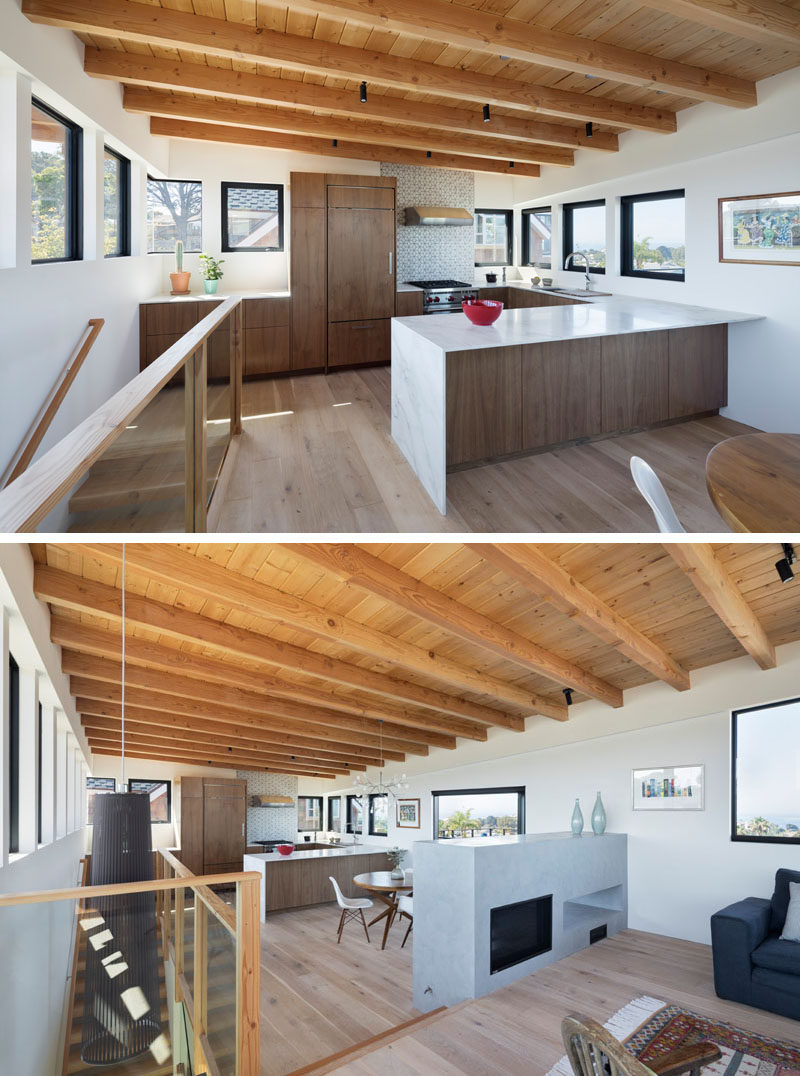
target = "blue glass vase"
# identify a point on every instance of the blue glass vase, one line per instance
(598, 817)
(577, 819)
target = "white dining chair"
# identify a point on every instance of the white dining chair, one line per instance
(405, 907)
(649, 485)
(352, 908)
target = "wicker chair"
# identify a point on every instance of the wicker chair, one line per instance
(593, 1051)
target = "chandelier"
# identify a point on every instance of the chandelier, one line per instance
(393, 787)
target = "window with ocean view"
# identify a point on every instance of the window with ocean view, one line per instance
(765, 797)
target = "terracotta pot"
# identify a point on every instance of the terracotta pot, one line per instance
(180, 283)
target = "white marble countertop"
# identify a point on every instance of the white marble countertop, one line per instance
(612, 315)
(518, 838)
(317, 853)
(200, 296)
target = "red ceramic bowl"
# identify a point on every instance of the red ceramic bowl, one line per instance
(482, 311)
(285, 849)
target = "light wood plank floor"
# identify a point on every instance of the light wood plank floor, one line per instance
(320, 458)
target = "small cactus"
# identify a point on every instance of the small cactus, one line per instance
(179, 256)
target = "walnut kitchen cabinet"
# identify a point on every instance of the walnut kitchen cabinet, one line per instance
(409, 304)
(213, 824)
(308, 270)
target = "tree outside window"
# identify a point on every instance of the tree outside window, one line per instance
(174, 211)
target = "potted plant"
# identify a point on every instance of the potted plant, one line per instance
(179, 279)
(211, 272)
(396, 856)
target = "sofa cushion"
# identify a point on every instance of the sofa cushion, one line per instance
(778, 983)
(780, 897)
(777, 955)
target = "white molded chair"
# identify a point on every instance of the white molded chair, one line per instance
(405, 907)
(649, 485)
(352, 908)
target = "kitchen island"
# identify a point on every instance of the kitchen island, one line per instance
(463, 395)
(303, 878)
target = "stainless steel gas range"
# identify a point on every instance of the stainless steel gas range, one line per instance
(443, 296)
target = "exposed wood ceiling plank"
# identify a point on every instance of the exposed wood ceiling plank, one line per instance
(165, 755)
(713, 582)
(246, 86)
(238, 41)
(70, 591)
(149, 102)
(96, 645)
(246, 136)
(486, 31)
(359, 568)
(177, 567)
(529, 565)
(769, 21)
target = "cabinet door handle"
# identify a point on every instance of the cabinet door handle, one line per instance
(363, 326)
(243, 829)
(391, 256)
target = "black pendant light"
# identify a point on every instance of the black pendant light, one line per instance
(122, 1005)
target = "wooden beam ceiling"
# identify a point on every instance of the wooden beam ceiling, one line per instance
(161, 754)
(488, 32)
(358, 568)
(170, 28)
(540, 575)
(769, 21)
(158, 72)
(720, 591)
(235, 113)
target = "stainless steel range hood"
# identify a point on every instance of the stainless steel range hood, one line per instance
(438, 214)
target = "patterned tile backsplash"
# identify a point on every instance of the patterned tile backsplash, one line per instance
(431, 251)
(270, 823)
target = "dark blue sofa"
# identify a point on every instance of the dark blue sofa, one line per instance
(751, 963)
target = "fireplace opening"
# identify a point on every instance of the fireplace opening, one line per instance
(520, 931)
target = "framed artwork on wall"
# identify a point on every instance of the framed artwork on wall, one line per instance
(669, 788)
(408, 814)
(760, 229)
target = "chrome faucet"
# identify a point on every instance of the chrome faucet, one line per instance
(579, 254)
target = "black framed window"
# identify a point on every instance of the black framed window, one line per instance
(584, 231)
(97, 786)
(39, 777)
(494, 237)
(309, 813)
(252, 216)
(13, 755)
(378, 815)
(174, 211)
(653, 235)
(537, 237)
(56, 186)
(160, 793)
(478, 812)
(116, 205)
(355, 822)
(335, 814)
(765, 806)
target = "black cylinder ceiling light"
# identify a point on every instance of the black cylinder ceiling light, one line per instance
(122, 1007)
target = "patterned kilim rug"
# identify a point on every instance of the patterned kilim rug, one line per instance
(650, 1028)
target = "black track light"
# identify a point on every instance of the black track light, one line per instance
(429, 154)
(784, 566)
(335, 143)
(510, 164)
(487, 115)
(363, 94)
(567, 693)
(589, 130)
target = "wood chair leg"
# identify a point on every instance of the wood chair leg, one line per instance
(364, 922)
(405, 939)
(341, 926)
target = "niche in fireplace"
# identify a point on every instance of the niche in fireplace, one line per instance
(520, 931)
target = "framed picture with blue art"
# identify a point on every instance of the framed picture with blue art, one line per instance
(760, 229)
(669, 788)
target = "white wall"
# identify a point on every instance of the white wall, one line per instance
(682, 867)
(716, 153)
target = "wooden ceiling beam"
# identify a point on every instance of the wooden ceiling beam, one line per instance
(171, 28)
(151, 102)
(94, 652)
(251, 707)
(358, 568)
(323, 147)
(187, 758)
(486, 31)
(711, 580)
(201, 576)
(768, 21)
(542, 577)
(134, 69)
(449, 713)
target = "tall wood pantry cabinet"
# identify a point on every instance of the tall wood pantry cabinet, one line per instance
(213, 824)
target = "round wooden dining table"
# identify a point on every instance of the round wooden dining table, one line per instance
(754, 481)
(385, 888)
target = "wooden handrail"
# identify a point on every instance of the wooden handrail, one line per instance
(46, 896)
(28, 499)
(217, 907)
(47, 412)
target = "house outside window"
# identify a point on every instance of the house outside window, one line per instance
(309, 813)
(355, 822)
(97, 786)
(537, 237)
(252, 216)
(160, 794)
(494, 235)
(335, 814)
(378, 815)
